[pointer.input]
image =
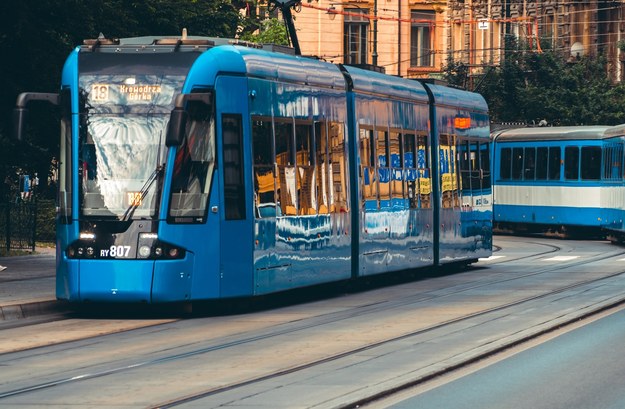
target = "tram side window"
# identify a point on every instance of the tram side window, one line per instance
(612, 162)
(448, 172)
(571, 163)
(287, 180)
(517, 163)
(234, 188)
(542, 161)
(336, 135)
(591, 163)
(305, 169)
(423, 172)
(397, 189)
(529, 163)
(464, 163)
(617, 164)
(383, 167)
(613, 156)
(411, 176)
(476, 166)
(322, 175)
(485, 165)
(367, 166)
(65, 160)
(555, 160)
(505, 170)
(193, 165)
(264, 189)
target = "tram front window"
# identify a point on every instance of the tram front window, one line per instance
(121, 146)
(119, 159)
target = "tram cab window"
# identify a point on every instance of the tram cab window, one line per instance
(65, 160)
(264, 188)
(193, 165)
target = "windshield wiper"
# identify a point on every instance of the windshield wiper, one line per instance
(146, 186)
(141, 195)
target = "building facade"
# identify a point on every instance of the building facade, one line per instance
(416, 38)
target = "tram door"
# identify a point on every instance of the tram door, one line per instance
(235, 259)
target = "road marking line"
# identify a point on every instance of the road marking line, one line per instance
(561, 258)
(490, 258)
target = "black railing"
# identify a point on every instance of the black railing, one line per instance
(23, 224)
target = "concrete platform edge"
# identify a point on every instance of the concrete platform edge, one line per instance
(30, 310)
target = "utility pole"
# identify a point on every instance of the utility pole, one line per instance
(285, 8)
(374, 54)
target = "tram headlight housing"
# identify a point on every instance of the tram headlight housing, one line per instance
(150, 247)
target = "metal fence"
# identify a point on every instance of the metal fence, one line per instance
(24, 224)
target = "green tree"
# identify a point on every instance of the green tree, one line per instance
(36, 36)
(530, 86)
(271, 31)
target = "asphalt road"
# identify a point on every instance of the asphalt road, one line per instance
(580, 369)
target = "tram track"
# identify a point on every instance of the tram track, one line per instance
(290, 328)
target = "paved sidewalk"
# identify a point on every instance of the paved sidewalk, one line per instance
(27, 285)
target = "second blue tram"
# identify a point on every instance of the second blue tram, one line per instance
(273, 172)
(613, 194)
(554, 179)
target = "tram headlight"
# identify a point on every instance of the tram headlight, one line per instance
(151, 247)
(144, 251)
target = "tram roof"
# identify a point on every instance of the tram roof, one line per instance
(615, 131)
(555, 133)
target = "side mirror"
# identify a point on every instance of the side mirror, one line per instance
(176, 127)
(179, 116)
(19, 122)
(20, 112)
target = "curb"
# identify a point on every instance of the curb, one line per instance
(30, 310)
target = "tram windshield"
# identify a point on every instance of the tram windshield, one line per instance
(121, 149)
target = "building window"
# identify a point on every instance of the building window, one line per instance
(355, 38)
(421, 36)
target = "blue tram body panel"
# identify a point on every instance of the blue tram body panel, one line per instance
(391, 235)
(289, 172)
(464, 192)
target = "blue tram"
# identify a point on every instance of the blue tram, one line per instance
(196, 169)
(613, 193)
(555, 180)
